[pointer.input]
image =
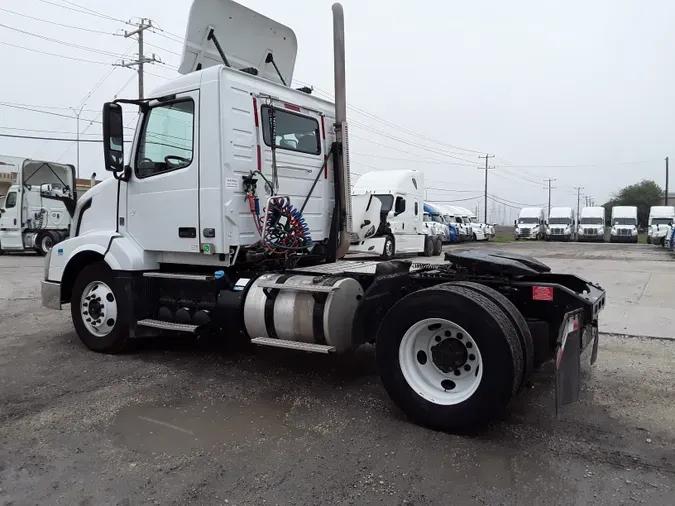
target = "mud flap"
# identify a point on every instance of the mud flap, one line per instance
(568, 361)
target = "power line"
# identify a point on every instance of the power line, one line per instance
(53, 54)
(487, 157)
(63, 42)
(83, 10)
(52, 107)
(90, 30)
(549, 180)
(143, 24)
(50, 138)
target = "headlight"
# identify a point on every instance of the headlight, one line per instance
(567, 231)
(601, 231)
(635, 231)
(649, 229)
(613, 231)
(581, 229)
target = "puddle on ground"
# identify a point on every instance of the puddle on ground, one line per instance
(169, 428)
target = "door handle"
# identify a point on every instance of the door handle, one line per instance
(15, 221)
(187, 232)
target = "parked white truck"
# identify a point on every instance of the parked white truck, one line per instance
(624, 224)
(37, 211)
(388, 215)
(591, 224)
(561, 224)
(243, 258)
(530, 224)
(480, 231)
(660, 217)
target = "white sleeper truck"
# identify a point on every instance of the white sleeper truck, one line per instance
(561, 225)
(591, 224)
(37, 211)
(388, 215)
(254, 250)
(530, 224)
(660, 217)
(624, 224)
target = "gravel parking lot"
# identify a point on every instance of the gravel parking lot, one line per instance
(175, 423)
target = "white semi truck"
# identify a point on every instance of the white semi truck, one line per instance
(591, 224)
(253, 252)
(480, 231)
(624, 224)
(37, 211)
(530, 224)
(388, 215)
(660, 217)
(561, 225)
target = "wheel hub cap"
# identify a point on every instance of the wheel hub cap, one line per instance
(449, 355)
(98, 308)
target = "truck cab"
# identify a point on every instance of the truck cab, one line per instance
(561, 225)
(388, 210)
(530, 224)
(36, 213)
(660, 218)
(591, 224)
(624, 224)
(481, 231)
(436, 223)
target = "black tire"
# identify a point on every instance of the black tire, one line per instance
(516, 318)
(474, 237)
(389, 250)
(117, 339)
(494, 335)
(44, 242)
(438, 246)
(428, 246)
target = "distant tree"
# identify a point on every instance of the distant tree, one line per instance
(644, 195)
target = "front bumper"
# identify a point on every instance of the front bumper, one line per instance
(623, 238)
(51, 295)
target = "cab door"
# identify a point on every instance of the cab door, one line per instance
(10, 222)
(163, 192)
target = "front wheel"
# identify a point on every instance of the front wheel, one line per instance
(96, 312)
(449, 357)
(45, 242)
(438, 246)
(388, 250)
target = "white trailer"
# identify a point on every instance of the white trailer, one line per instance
(591, 224)
(388, 215)
(624, 224)
(233, 215)
(530, 224)
(660, 217)
(561, 225)
(37, 211)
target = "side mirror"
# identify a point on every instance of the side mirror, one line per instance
(113, 137)
(45, 189)
(515, 222)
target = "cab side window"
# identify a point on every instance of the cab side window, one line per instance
(167, 140)
(10, 201)
(400, 206)
(293, 131)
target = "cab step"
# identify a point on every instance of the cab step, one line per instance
(178, 275)
(175, 327)
(293, 345)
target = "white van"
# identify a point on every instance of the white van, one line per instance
(530, 224)
(561, 225)
(591, 224)
(624, 224)
(659, 219)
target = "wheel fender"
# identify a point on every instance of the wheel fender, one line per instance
(64, 252)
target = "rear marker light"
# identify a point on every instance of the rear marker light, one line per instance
(542, 293)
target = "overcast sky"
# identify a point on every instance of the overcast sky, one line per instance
(583, 92)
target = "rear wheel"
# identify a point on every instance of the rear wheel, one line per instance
(449, 357)
(428, 246)
(96, 310)
(45, 242)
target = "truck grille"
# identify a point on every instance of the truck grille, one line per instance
(557, 231)
(590, 231)
(525, 232)
(624, 231)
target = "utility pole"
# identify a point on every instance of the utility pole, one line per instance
(142, 25)
(549, 180)
(578, 189)
(665, 203)
(486, 156)
(77, 116)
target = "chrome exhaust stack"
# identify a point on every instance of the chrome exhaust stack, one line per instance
(343, 177)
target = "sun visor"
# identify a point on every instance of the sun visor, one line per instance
(245, 37)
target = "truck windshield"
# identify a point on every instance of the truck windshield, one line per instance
(624, 221)
(387, 202)
(661, 221)
(427, 217)
(559, 221)
(592, 221)
(437, 218)
(527, 220)
(474, 220)
(448, 219)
